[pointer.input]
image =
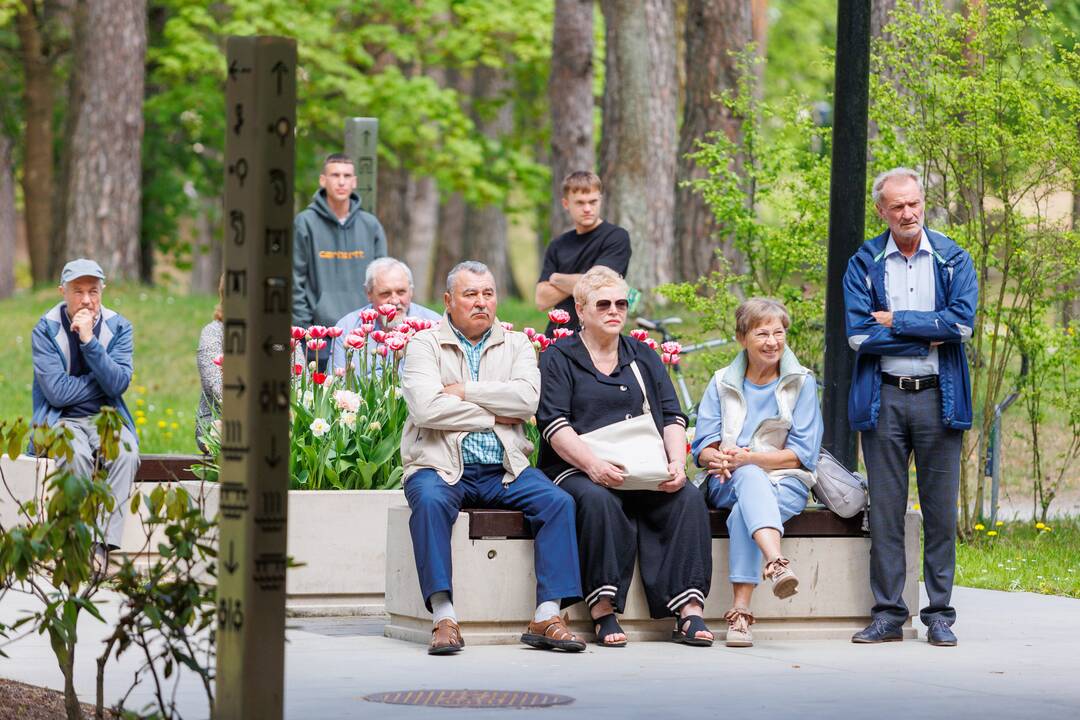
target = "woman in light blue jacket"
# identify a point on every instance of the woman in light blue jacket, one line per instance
(758, 437)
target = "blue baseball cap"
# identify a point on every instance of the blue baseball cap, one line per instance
(81, 268)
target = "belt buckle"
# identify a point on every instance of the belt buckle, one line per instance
(913, 386)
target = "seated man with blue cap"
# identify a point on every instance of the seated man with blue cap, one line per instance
(82, 361)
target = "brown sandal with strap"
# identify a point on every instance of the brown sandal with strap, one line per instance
(739, 620)
(445, 638)
(551, 634)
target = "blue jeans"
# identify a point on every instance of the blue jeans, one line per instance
(755, 503)
(548, 510)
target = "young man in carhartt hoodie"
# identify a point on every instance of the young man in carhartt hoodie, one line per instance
(334, 241)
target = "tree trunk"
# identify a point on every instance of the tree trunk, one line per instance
(486, 228)
(104, 184)
(451, 244)
(713, 29)
(422, 201)
(639, 140)
(206, 252)
(570, 92)
(38, 107)
(1070, 307)
(8, 219)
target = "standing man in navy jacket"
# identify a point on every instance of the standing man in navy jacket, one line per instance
(910, 297)
(82, 361)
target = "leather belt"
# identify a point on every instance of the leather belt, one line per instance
(914, 384)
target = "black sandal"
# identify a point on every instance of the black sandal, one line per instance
(688, 635)
(608, 625)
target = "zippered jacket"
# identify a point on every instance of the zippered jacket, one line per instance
(108, 357)
(956, 293)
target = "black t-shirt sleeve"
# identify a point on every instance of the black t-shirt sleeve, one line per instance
(615, 252)
(665, 390)
(549, 266)
(556, 389)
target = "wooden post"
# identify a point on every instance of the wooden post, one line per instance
(361, 144)
(259, 156)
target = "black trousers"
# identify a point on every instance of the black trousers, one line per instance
(909, 424)
(668, 533)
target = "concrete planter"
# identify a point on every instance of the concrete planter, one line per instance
(338, 537)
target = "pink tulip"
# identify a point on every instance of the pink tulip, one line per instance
(298, 333)
(317, 331)
(218, 360)
(651, 343)
(560, 332)
(639, 334)
(671, 347)
(381, 351)
(369, 315)
(559, 317)
(316, 344)
(378, 336)
(367, 328)
(339, 372)
(334, 332)
(396, 341)
(529, 332)
(541, 342)
(388, 311)
(355, 341)
(669, 358)
(507, 326)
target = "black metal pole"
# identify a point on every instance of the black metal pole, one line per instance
(847, 213)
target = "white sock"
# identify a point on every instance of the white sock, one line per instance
(545, 610)
(442, 608)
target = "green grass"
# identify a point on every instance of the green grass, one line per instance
(165, 388)
(1023, 558)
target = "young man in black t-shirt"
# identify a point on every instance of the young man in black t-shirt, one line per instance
(592, 242)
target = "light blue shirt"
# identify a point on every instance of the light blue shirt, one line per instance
(352, 321)
(804, 437)
(481, 448)
(909, 283)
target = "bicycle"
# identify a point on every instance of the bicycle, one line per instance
(661, 326)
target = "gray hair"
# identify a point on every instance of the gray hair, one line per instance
(470, 266)
(897, 172)
(380, 265)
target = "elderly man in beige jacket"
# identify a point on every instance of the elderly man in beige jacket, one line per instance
(470, 385)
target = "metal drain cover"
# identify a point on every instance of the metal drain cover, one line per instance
(470, 698)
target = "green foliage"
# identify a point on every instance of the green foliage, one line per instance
(986, 107)
(1023, 557)
(384, 60)
(772, 198)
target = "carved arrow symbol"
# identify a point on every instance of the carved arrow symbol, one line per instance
(273, 458)
(279, 69)
(231, 566)
(235, 69)
(367, 137)
(238, 386)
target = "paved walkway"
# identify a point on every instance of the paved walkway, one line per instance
(1018, 658)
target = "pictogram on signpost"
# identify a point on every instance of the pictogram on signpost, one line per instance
(259, 162)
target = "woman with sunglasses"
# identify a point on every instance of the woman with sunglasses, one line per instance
(589, 381)
(758, 438)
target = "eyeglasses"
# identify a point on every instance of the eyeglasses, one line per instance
(763, 335)
(620, 305)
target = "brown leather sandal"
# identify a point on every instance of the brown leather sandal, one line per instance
(445, 638)
(551, 634)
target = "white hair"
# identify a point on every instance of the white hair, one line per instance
(471, 266)
(381, 265)
(897, 172)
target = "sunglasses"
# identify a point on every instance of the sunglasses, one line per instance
(620, 305)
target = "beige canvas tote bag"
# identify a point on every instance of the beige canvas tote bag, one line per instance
(633, 445)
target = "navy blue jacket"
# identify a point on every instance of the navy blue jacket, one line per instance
(956, 294)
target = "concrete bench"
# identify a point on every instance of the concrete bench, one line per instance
(494, 581)
(337, 536)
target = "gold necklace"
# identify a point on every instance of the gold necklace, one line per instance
(613, 358)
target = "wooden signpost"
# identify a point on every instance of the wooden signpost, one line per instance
(361, 144)
(259, 158)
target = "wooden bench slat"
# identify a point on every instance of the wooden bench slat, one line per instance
(166, 468)
(812, 522)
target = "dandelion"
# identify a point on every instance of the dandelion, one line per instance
(168, 436)
(980, 527)
(139, 402)
(1047, 529)
(141, 420)
(319, 427)
(992, 533)
(174, 425)
(1040, 526)
(916, 507)
(168, 411)
(999, 523)
(162, 424)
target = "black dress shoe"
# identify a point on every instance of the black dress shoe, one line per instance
(878, 631)
(939, 633)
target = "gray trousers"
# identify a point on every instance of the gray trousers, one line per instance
(909, 423)
(121, 471)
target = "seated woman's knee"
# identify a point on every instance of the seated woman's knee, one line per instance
(749, 474)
